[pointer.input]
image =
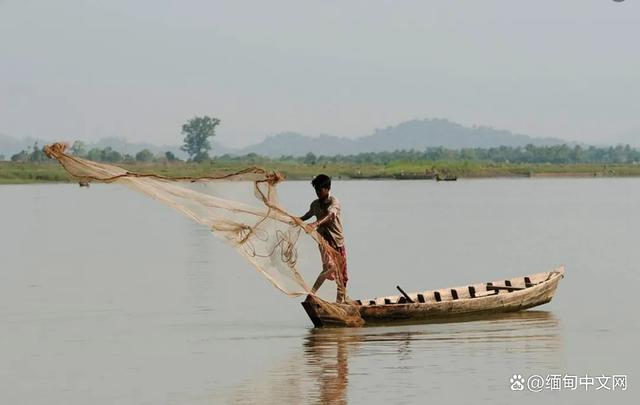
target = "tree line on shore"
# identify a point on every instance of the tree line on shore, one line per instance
(198, 130)
(109, 155)
(557, 154)
(529, 154)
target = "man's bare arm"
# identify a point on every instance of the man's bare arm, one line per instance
(306, 216)
(324, 220)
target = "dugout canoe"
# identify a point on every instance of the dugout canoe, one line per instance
(445, 304)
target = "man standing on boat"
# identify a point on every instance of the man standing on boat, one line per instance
(328, 224)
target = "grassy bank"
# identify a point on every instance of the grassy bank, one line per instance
(21, 173)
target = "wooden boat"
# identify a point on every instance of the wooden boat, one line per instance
(427, 175)
(446, 178)
(440, 305)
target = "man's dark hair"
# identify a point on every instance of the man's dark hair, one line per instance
(321, 181)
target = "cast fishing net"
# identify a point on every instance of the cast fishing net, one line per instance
(262, 231)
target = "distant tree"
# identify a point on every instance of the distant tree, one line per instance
(110, 155)
(201, 157)
(21, 156)
(1, 157)
(145, 155)
(37, 154)
(197, 132)
(310, 159)
(467, 154)
(95, 154)
(79, 148)
(171, 157)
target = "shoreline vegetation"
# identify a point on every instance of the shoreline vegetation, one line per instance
(437, 163)
(52, 172)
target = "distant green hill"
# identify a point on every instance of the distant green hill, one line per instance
(415, 134)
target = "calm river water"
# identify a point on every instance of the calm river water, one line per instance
(107, 297)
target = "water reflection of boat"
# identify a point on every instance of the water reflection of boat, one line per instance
(336, 358)
(450, 303)
(333, 362)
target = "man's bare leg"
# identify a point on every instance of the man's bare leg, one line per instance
(339, 294)
(318, 283)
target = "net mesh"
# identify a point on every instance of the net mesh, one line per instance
(264, 233)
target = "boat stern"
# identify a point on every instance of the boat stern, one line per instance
(329, 314)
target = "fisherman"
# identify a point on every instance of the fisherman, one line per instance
(328, 224)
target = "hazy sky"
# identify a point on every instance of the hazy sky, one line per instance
(88, 69)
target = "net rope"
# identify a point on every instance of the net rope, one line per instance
(264, 233)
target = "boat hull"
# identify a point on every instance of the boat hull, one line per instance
(443, 305)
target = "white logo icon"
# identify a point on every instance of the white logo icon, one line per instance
(517, 382)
